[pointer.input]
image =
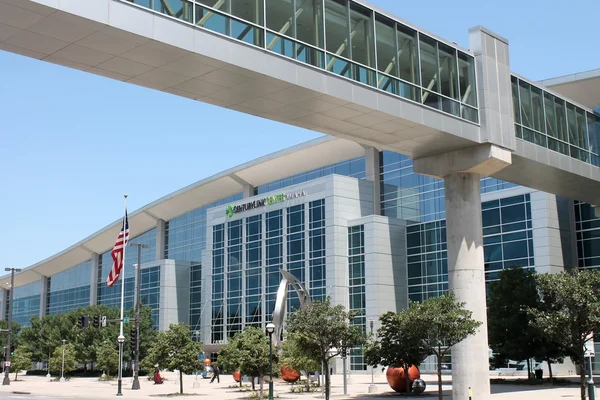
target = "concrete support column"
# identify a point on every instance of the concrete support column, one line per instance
(466, 278)
(248, 190)
(160, 239)
(94, 279)
(372, 164)
(43, 295)
(462, 171)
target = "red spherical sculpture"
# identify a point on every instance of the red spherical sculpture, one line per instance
(396, 379)
(289, 374)
(237, 376)
(207, 362)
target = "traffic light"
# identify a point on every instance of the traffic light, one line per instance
(84, 322)
(133, 336)
(96, 321)
(12, 350)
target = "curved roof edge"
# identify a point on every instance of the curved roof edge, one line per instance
(302, 157)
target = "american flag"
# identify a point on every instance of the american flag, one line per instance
(117, 253)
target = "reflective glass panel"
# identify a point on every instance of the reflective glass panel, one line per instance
(429, 63)
(309, 22)
(447, 71)
(515, 96)
(361, 35)
(387, 61)
(466, 74)
(249, 10)
(336, 25)
(407, 54)
(280, 16)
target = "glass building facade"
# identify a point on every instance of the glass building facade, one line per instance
(150, 291)
(111, 296)
(354, 168)
(357, 300)
(247, 255)
(70, 289)
(26, 303)
(507, 242)
(587, 226)
(347, 39)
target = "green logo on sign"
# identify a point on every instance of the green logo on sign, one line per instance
(229, 211)
(126, 320)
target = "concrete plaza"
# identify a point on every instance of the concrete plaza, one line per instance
(41, 388)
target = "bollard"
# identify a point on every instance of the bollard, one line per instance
(470, 394)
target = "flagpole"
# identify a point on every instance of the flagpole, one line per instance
(121, 338)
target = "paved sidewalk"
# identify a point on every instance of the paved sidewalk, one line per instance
(358, 385)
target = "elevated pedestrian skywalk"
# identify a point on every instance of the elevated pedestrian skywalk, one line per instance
(339, 67)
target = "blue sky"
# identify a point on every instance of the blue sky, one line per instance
(72, 143)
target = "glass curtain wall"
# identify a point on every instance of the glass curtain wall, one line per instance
(296, 250)
(507, 240)
(549, 121)
(218, 284)
(234, 277)
(587, 226)
(316, 231)
(70, 289)
(253, 270)
(111, 296)
(356, 286)
(346, 38)
(274, 258)
(26, 300)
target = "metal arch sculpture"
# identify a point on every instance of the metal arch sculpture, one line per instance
(280, 302)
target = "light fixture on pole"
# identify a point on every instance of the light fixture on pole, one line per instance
(62, 373)
(12, 271)
(270, 329)
(372, 387)
(136, 345)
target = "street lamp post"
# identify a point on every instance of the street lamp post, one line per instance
(372, 387)
(136, 370)
(344, 355)
(62, 374)
(6, 380)
(270, 329)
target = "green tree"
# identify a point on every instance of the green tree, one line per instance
(20, 361)
(88, 340)
(322, 330)
(15, 338)
(570, 312)
(175, 350)
(108, 357)
(509, 303)
(442, 322)
(56, 361)
(248, 351)
(295, 357)
(41, 337)
(398, 344)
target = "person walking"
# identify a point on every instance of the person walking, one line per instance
(216, 373)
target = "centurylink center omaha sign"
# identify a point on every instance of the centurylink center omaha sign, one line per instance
(267, 201)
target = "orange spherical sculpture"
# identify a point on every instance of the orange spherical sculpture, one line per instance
(237, 376)
(396, 379)
(207, 362)
(289, 374)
